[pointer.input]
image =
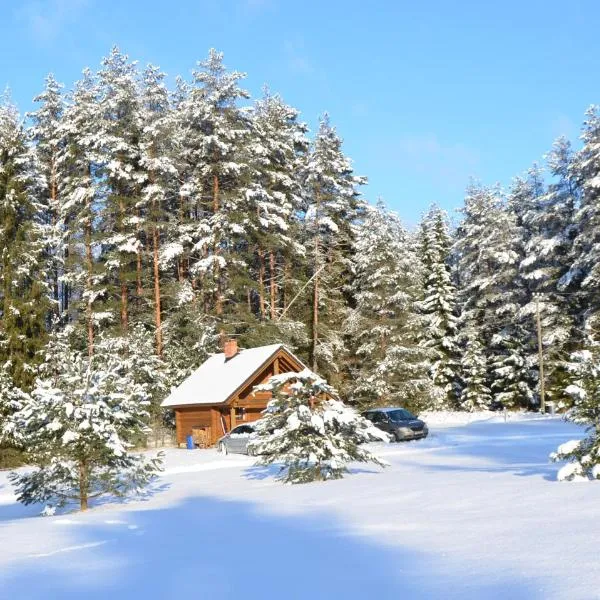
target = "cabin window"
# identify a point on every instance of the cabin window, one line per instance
(240, 414)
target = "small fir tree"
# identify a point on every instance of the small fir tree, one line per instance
(475, 394)
(309, 431)
(145, 367)
(12, 400)
(438, 307)
(76, 426)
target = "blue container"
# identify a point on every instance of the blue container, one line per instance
(190, 442)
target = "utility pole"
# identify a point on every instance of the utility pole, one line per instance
(537, 297)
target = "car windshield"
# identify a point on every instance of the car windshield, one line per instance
(243, 430)
(400, 414)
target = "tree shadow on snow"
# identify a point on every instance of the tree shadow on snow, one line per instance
(15, 510)
(212, 549)
(521, 448)
(261, 472)
(548, 472)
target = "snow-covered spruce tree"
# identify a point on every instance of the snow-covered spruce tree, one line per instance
(12, 400)
(475, 394)
(513, 359)
(309, 431)
(489, 250)
(389, 366)
(438, 307)
(150, 372)
(583, 456)
(583, 276)
(549, 222)
(11, 397)
(23, 284)
(76, 427)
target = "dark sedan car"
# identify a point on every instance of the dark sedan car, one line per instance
(398, 422)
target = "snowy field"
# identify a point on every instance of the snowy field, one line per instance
(474, 511)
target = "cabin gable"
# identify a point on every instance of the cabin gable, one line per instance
(209, 422)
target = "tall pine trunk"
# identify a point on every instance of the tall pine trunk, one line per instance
(138, 266)
(90, 272)
(284, 287)
(273, 284)
(315, 306)
(219, 299)
(54, 209)
(181, 258)
(315, 323)
(215, 194)
(261, 282)
(122, 278)
(83, 485)
(157, 314)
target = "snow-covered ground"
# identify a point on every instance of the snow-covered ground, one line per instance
(474, 511)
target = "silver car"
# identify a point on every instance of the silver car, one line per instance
(236, 441)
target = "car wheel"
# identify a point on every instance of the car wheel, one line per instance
(223, 449)
(398, 437)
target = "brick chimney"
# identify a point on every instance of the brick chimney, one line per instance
(230, 348)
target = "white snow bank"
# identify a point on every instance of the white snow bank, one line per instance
(450, 418)
(226, 463)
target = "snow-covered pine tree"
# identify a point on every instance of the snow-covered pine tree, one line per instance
(309, 431)
(82, 195)
(390, 366)
(23, 284)
(77, 425)
(213, 133)
(475, 393)
(123, 239)
(277, 144)
(48, 138)
(583, 456)
(160, 180)
(439, 310)
(333, 208)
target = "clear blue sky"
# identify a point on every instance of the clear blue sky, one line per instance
(424, 93)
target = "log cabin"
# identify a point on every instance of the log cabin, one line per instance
(218, 396)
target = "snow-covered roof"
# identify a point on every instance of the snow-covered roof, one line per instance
(217, 379)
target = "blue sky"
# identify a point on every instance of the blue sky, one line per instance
(425, 94)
